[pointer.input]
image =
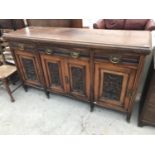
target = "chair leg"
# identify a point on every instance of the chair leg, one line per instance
(6, 84)
(25, 87)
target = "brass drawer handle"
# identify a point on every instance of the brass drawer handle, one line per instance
(49, 51)
(114, 59)
(75, 55)
(21, 46)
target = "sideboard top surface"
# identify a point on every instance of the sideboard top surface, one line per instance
(91, 37)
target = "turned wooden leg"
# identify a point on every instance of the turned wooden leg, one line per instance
(47, 94)
(14, 83)
(6, 84)
(91, 106)
(140, 124)
(128, 117)
(25, 87)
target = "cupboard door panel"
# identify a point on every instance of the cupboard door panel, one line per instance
(112, 85)
(79, 78)
(29, 70)
(54, 74)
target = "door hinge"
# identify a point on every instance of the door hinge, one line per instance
(66, 79)
(130, 92)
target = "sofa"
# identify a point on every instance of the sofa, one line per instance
(125, 24)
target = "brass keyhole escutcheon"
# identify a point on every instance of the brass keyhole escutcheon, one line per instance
(49, 51)
(21, 46)
(115, 59)
(75, 55)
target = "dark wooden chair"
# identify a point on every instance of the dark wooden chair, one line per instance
(5, 72)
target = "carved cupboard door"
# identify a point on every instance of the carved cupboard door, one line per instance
(78, 78)
(53, 69)
(29, 70)
(113, 86)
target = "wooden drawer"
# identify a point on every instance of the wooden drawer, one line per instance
(59, 51)
(29, 47)
(115, 58)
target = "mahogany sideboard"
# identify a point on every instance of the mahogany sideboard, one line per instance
(101, 67)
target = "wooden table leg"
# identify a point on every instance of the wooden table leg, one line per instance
(128, 116)
(6, 84)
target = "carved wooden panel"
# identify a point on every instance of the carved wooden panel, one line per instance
(112, 86)
(29, 69)
(54, 73)
(78, 79)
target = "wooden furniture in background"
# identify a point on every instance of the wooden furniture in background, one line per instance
(8, 25)
(12, 24)
(147, 106)
(101, 67)
(76, 23)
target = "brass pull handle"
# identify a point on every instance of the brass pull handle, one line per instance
(75, 55)
(21, 46)
(114, 59)
(49, 51)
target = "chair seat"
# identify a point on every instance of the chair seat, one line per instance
(6, 71)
